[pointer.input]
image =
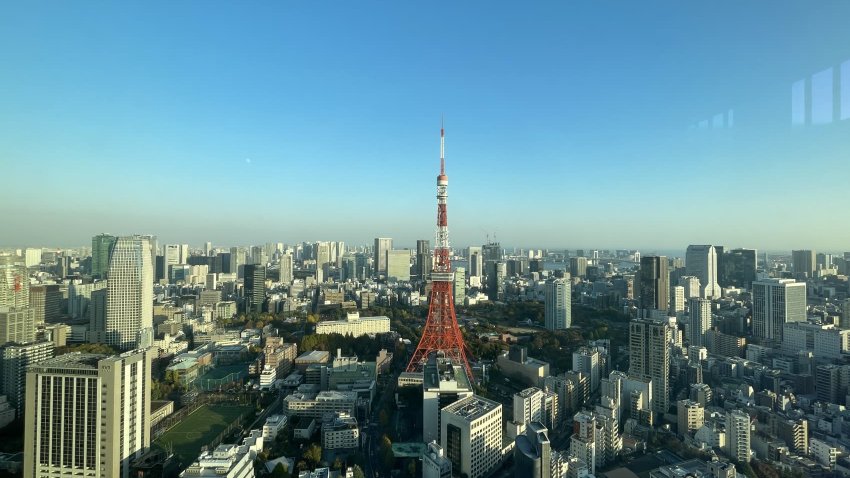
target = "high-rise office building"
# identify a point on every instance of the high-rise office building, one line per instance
(129, 301)
(652, 283)
(471, 435)
(382, 246)
(46, 302)
(323, 254)
(691, 285)
(677, 301)
(533, 453)
(17, 317)
(14, 360)
(14, 282)
(558, 304)
(255, 287)
(649, 356)
(459, 291)
(738, 435)
(101, 248)
(286, 268)
(700, 320)
(701, 261)
(87, 414)
(475, 258)
(398, 265)
(495, 273)
(775, 302)
(578, 266)
(737, 268)
(171, 256)
(424, 262)
(443, 383)
(804, 263)
(208, 249)
(492, 252)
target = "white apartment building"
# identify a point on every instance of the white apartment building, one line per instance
(355, 325)
(87, 415)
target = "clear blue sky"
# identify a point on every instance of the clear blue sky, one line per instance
(568, 123)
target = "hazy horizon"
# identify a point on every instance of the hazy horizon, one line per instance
(661, 123)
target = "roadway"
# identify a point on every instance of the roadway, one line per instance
(372, 443)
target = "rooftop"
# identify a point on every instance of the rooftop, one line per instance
(472, 408)
(75, 360)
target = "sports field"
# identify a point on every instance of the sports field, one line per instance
(198, 430)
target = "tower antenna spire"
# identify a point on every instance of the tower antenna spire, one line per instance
(442, 147)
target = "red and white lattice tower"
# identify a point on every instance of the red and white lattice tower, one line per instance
(441, 332)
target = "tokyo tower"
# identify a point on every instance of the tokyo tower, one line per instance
(441, 332)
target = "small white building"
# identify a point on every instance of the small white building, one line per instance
(274, 424)
(228, 461)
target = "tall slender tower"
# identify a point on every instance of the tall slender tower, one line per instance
(441, 332)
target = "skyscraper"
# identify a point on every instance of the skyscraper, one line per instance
(701, 261)
(286, 266)
(652, 283)
(255, 287)
(804, 262)
(738, 268)
(700, 320)
(129, 301)
(476, 261)
(14, 282)
(649, 356)
(578, 266)
(101, 248)
(495, 272)
(398, 265)
(586, 361)
(444, 383)
(775, 302)
(459, 291)
(382, 245)
(87, 414)
(558, 304)
(423, 259)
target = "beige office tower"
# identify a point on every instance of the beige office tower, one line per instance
(286, 267)
(382, 245)
(129, 301)
(649, 348)
(701, 262)
(88, 415)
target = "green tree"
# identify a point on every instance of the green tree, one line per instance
(313, 455)
(338, 464)
(280, 471)
(358, 472)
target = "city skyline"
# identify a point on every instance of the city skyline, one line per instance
(109, 126)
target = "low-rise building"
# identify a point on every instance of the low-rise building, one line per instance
(228, 461)
(355, 325)
(340, 431)
(274, 424)
(316, 405)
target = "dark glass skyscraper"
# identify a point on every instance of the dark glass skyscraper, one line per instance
(255, 287)
(653, 283)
